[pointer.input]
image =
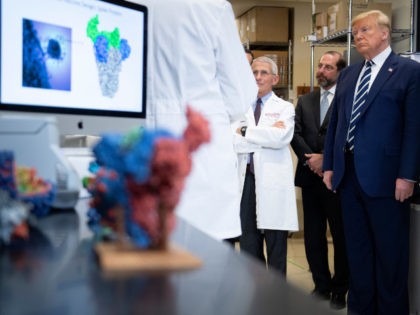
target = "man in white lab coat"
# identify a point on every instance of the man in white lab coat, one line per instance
(195, 58)
(268, 206)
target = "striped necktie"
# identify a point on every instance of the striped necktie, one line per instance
(359, 101)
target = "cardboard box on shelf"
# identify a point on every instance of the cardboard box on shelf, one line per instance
(321, 19)
(320, 24)
(281, 58)
(338, 13)
(268, 25)
(242, 24)
(321, 32)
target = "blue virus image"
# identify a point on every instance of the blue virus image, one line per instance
(54, 49)
(34, 69)
(46, 56)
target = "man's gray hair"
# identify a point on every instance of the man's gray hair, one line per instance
(273, 65)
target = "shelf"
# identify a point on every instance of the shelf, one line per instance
(268, 46)
(340, 38)
(280, 86)
(400, 34)
(336, 38)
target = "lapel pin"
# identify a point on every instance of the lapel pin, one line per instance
(390, 69)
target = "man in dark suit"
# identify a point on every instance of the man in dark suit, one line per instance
(371, 157)
(320, 205)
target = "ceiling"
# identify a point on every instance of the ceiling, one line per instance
(240, 6)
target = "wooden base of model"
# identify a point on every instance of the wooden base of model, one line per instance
(116, 258)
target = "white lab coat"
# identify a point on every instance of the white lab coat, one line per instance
(273, 167)
(196, 58)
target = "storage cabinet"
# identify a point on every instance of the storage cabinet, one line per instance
(267, 31)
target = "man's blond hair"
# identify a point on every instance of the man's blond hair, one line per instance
(381, 18)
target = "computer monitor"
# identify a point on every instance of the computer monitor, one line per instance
(81, 61)
(69, 67)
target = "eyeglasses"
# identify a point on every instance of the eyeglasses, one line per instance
(262, 73)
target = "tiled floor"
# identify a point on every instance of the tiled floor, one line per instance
(298, 273)
(297, 266)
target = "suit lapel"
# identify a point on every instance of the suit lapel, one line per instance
(316, 107)
(387, 70)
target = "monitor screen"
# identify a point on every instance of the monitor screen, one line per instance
(82, 61)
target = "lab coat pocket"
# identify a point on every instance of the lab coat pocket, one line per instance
(273, 176)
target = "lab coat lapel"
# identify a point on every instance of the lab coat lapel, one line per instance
(250, 116)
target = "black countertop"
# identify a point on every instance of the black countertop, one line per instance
(56, 273)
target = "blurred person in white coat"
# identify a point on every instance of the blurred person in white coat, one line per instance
(268, 206)
(195, 58)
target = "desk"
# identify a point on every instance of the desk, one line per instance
(57, 274)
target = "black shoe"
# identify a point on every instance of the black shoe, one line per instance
(320, 295)
(338, 301)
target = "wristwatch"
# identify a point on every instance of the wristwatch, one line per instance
(243, 131)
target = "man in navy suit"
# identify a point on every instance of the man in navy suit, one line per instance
(320, 205)
(371, 157)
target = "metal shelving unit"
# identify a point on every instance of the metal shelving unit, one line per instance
(344, 38)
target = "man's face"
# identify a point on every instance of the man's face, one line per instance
(327, 72)
(370, 38)
(265, 79)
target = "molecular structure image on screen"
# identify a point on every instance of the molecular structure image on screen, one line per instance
(110, 50)
(46, 55)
